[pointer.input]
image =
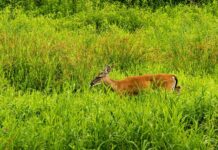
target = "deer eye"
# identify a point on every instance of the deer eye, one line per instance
(98, 77)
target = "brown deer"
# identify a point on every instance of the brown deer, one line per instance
(134, 84)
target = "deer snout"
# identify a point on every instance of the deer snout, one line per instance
(91, 84)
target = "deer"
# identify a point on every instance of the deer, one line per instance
(132, 85)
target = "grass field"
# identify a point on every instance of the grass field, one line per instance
(47, 63)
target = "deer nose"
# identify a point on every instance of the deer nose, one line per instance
(91, 84)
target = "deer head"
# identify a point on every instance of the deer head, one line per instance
(98, 79)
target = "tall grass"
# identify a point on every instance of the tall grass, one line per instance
(43, 54)
(46, 65)
(98, 120)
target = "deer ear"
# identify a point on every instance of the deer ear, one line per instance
(108, 69)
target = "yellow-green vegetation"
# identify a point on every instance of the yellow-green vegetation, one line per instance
(47, 62)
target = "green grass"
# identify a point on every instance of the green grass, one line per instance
(95, 119)
(46, 65)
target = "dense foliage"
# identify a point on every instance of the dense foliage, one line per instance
(67, 7)
(49, 56)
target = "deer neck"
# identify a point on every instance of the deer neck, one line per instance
(110, 82)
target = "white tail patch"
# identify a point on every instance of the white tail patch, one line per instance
(174, 84)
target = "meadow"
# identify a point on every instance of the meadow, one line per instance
(48, 60)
